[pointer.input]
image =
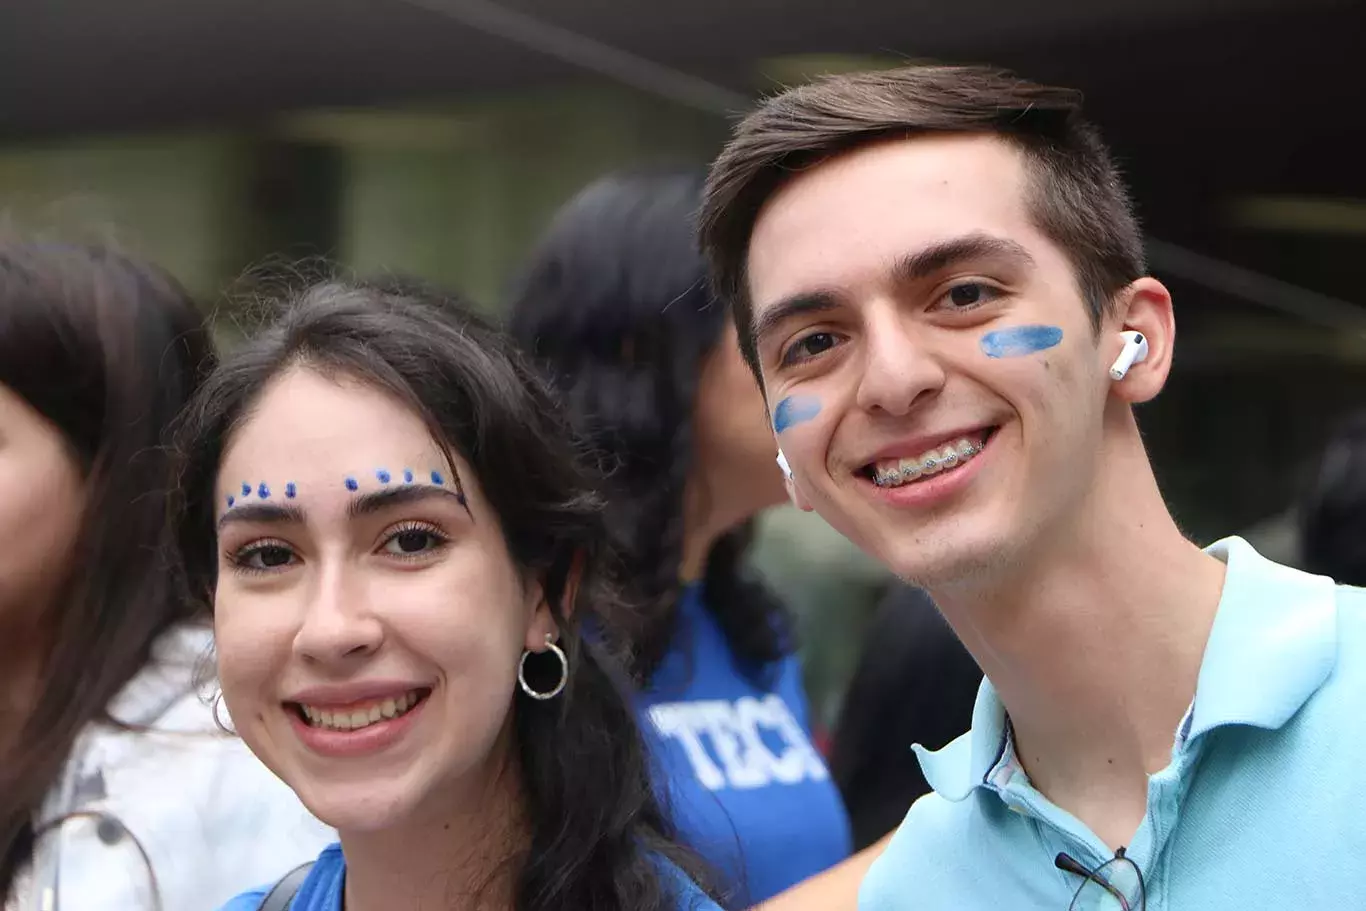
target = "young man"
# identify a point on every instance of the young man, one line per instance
(940, 286)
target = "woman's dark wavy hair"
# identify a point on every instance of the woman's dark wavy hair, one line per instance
(615, 309)
(108, 349)
(596, 829)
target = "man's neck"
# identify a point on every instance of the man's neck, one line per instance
(1094, 645)
(462, 860)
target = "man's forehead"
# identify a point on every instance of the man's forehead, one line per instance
(861, 211)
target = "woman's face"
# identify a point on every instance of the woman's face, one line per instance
(733, 439)
(369, 618)
(42, 500)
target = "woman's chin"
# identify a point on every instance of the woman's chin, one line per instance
(346, 811)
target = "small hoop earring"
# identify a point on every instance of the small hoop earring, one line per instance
(217, 701)
(564, 671)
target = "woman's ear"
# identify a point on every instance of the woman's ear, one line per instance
(543, 618)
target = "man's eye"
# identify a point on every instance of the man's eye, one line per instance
(808, 347)
(967, 295)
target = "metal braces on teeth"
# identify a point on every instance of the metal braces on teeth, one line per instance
(930, 464)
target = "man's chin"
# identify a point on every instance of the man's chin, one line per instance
(945, 561)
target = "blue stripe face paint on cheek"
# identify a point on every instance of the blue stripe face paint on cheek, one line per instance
(794, 410)
(1017, 341)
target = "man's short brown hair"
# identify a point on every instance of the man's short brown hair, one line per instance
(1075, 194)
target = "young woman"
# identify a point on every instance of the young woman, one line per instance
(117, 789)
(399, 546)
(614, 307)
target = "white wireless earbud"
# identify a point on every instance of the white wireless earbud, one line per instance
(782, 463)
(1135, 350)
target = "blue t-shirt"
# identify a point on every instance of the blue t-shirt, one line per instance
(323, 889)
(737, 771)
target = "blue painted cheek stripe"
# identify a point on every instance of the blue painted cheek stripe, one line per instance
(1019, 341)
(794, 410)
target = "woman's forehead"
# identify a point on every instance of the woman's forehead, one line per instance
(307, 426)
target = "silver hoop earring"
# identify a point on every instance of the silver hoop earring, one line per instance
(217, 701)
(564, 671)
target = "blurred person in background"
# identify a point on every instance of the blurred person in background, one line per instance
(117, 789)
(400, 544)
(915, 683)
(1333, 513)
(614, 307)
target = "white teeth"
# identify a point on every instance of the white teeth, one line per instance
(360, 718)
(935, 461)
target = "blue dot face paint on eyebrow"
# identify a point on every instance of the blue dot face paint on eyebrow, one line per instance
(437, 479)
(231, 500)
(407, 476)
(382, 475)
(1018, 341)
(290, 490)
(794, 410)
(246, 489)
(351, 484)
(263, 491)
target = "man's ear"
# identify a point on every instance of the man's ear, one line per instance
(1144, 306)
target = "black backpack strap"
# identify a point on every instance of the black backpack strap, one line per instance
(280, 897)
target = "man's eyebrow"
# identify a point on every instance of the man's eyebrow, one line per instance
(768, 321)
(939, 256)
(269, 513)
(369, 503)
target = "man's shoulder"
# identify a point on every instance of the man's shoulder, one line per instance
(1353, 599)
(935, 851)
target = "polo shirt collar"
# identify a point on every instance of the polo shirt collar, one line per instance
(1273, 644)
(965, 763)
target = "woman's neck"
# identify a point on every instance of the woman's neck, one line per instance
(707, 516)
(463, 859)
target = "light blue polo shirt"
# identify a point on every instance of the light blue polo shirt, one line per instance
(1262, 807)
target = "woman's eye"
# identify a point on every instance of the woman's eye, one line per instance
(409, 542)
(809, 346)
(263, 557)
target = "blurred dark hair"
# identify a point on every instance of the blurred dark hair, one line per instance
(915, 683)
(596, 830)
(1074, 191)
(1333, 513)
(108, 349)
(614, 307)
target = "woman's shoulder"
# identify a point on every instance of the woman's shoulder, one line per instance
(690, 896)
(321, 889)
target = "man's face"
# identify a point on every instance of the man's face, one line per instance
(934, 378)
